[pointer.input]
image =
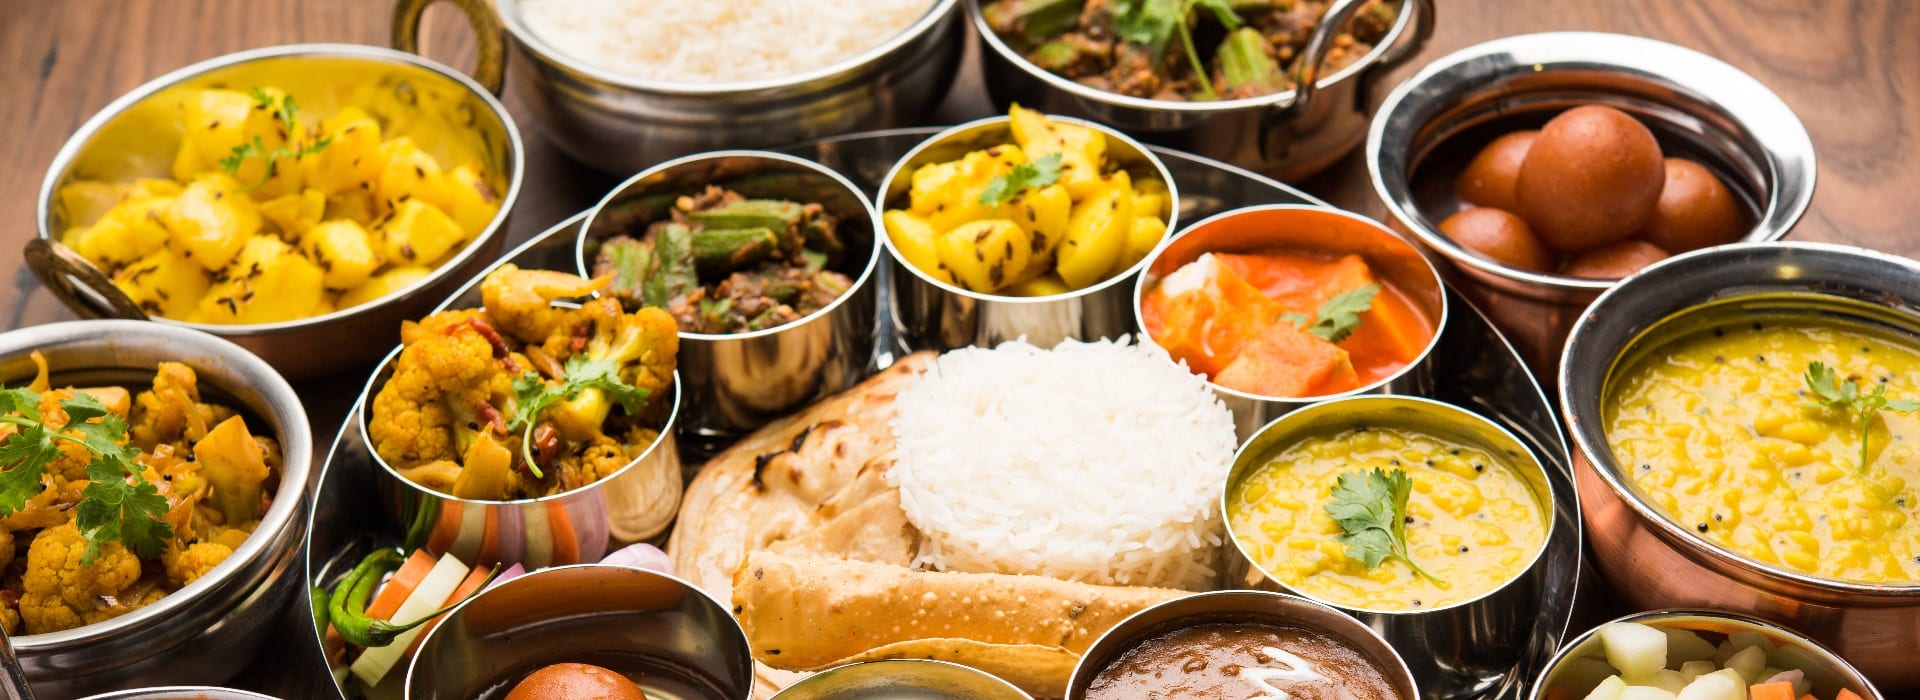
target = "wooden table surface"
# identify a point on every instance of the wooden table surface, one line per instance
(1846, 66)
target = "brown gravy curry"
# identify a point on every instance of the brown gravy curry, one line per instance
(1242, 661)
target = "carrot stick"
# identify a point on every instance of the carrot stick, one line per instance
(401, 585)
(566, 545)
(1770, 691)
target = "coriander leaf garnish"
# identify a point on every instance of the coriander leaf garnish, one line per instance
(1846, 396)
(1036, 174)
(118, 503)
(286, 111)
(1339, 315)
(1154, 23)
(1371, 508)
(532, 395)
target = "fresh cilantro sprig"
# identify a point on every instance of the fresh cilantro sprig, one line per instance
(1154, 23)
(533, 395)
(118, 503)
(1036, 174)
(285, 110)
(1371, 508)
(1846, 396)
(1339, 315)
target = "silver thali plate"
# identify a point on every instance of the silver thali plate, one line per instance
(1477, 369)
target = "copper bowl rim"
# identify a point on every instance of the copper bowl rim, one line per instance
(515, 151)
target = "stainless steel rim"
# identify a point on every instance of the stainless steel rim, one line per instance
(1546, 500)
(866, 272)
(282, 522)
(1789, 148)
(744, 89)
(1439, 324)
(1591, 442)
(993, 41)
(515, 149)
(899, 170)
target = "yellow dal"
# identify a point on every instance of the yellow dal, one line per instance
(1476, 524)
(1713, 432)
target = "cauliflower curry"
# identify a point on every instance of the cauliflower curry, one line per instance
(518, 399)
(118, 499)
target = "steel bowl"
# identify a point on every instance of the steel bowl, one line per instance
(1828, 672)
(1696, 106)
(620, 124)
(684, 643)
(211, 628)
(417, 96)
(1652, 561)
(633, 504)
(1239, 606)
(930, 314)
(748, 379)
(1312, 228)
(182, 692)
(1289, 135)
(921, 679)
(1463, 650)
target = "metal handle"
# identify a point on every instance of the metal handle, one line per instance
(1406, 47)
(490, 69)
(1306, 69)
(74, 279)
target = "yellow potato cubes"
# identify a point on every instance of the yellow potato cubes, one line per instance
(419, 233)
(268, 282)
(211, 220)
(343, 250)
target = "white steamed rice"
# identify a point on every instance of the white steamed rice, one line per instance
(1095, 462)
(709, 42)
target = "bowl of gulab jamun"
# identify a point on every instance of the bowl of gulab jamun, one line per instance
(1547, 167)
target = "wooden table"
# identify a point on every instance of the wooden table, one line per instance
(1847, 68)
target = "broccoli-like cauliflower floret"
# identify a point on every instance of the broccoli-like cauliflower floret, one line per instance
(521, 301)
(600, 458)
(10, 618)
(171, 409)
(184, 565)
(439, 381)
(61, 593)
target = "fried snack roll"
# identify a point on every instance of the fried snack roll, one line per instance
(804, 614)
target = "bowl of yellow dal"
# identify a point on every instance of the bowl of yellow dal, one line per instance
(1748, 425)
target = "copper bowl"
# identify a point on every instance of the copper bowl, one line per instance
(1654, 562)
(120, 142)
(1317, 229)
(1696, 106)
(1827, 671)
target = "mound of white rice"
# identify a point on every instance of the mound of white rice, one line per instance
(695, 41)
(1095, 462)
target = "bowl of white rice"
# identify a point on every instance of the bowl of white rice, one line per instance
(623, 84)
(1099, 462)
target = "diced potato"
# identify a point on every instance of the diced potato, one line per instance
(1636, 649)
(419, 233)
(129, 230)
(216, 123)
(470, 200)
(1043, 213)
(1041, 286)
(1096, 233)
(1684, 646)
(1641, 692)
(383, 284)
(351, 159)
(269, 281)
(164, 283)
(1150, 198)
(1609, 689)
(1664, 679)
(1142, 237)
(1712, 686)
(153, 187)
(210, 221)
(985, 255)
(914, 238)
(83, 202)
(1582, 673)
(354, 205)
(1082, 150)
(293, 214)
(406, 174)
(1692, 669)
(1741, 640)
(343, 250)
(1748, 661)
(1731, 676)
(958, 199)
